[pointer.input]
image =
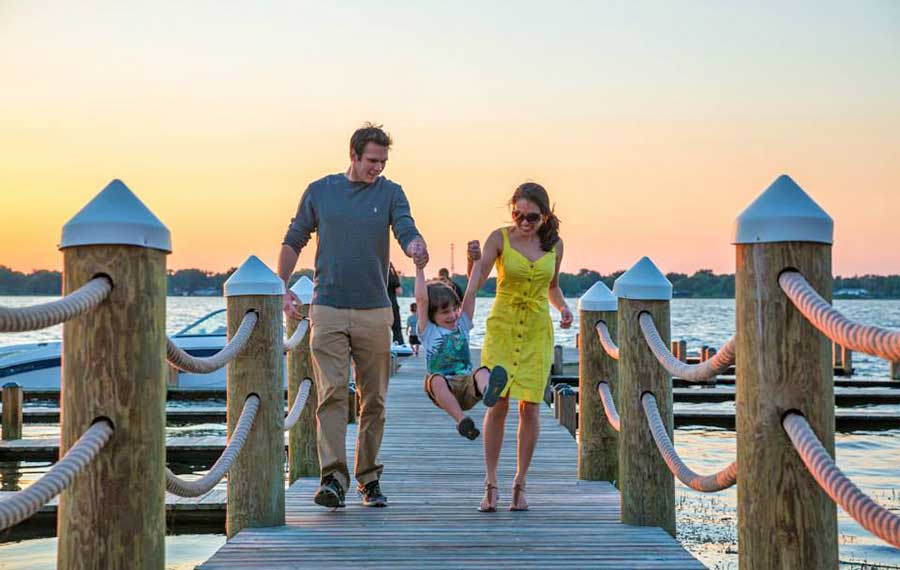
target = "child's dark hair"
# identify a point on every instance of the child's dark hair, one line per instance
(413, 308)
(440, 297)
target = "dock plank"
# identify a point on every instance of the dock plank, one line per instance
(433, 479)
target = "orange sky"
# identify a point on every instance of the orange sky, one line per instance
(651, 130)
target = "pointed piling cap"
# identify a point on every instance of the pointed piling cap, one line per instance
(784, 212)
(253, 278)
(303, 288)
(598, 298)
(643, 281)
(116, 216)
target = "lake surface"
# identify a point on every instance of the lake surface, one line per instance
(706, 522)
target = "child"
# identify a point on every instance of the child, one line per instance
(412, 329)
(444, 332)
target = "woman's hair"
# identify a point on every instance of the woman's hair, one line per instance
(535, 193)
(413, 307)
(440, 296)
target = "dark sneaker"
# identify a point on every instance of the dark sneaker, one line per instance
(466, 428)
(330, 493)
(495, 386)
(371, 495)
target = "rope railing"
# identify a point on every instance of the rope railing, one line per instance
(873, 517)
(711, 368)
(184, 361)
(298, 336)
(821, 314)
(299, 403)
(76, 303)
(25, 503)
(606, 341)
(723, 479)
(609, 406)
(182, 488)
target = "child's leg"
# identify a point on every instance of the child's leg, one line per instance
(444, 398)
(490, 383)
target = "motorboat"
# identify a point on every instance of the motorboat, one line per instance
(36, 366)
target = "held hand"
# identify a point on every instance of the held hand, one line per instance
(418, 251)
(565, 318)
(474, 250)
(290, 305)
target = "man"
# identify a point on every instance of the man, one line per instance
(444, 276)
(350, 314)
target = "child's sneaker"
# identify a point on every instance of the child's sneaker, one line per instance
(495, 386)
(466, 428)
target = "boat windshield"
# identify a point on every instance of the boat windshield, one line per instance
(213, 324)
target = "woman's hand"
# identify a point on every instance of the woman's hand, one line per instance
(565, 318)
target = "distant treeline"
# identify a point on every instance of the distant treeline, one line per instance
(704, 284)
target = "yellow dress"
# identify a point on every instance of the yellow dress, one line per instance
(519, 333)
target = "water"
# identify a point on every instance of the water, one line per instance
(706, 523)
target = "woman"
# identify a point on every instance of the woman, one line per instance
(519, 333)
(394, 288)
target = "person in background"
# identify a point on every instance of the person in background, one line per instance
(444, 276)
(352, 213)
(394, 289)
(412, 329)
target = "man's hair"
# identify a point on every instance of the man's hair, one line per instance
(369, 133)
(440, 296)
(443, 272)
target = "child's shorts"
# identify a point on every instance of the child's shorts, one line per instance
(414, 340)
(463, 388)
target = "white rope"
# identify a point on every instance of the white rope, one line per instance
(711, 368)
(870, 339)
(25, 503)
(298, 336)
(46, 315)
(609, 406)
(184, 361)
(182, 488)
(606, 341)
(718, 481)
(299, 404)
(873, 517)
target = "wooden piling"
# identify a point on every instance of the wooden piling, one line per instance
(303, 458)
(895, 370)
(598, 447)
(647, 485)
(12, 411)
(784, 519)
(256, 480)
(557, 360)
(113, 366)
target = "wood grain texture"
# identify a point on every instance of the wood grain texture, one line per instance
(256, 480)
(12, 411)
(783, 363)
(433, 480)
(113, 366)
(303, 458)
(647, 485)
(598, 442)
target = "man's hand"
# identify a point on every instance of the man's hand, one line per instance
(418, 251)
(473, 251)
(290, 304)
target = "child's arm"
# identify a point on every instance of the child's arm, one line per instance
(473, 254)
(421, 301)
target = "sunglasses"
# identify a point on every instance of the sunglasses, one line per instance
(531, 218)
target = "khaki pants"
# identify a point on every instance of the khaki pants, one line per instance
(336, 335)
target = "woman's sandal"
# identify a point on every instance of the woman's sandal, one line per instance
(487, 506)
(518, 496)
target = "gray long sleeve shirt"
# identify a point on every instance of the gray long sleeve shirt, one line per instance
(351, 221)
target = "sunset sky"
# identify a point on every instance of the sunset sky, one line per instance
(652, 124)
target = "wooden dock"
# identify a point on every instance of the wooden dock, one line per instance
(433, 479)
